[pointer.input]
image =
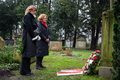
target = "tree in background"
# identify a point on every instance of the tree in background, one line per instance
(42, 5)
(95, 9)
(66, 16)
(8, 18)
(77, 18)
(14, 10)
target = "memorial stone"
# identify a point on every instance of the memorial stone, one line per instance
(81, 43)
(55, 45)
(106, 45)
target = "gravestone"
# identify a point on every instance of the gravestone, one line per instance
(68, 43)
(9, 42)
(81, 43)
(106, 45)
(2, 42)
(55, 45)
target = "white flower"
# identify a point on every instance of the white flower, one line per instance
(91, 61)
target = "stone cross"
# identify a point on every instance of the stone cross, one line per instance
(111, 3)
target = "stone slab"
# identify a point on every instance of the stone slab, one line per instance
(105, 72)
(81, 45)
(9, 42)
(55, 45)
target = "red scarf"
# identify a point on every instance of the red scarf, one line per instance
(44, 24)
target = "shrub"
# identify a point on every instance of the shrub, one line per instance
(116, 43)
(20, 48)
(64, 47)
(6, 55)
(87, 45)
(67, 51)
(9, 66)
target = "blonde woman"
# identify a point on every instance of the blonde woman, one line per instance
(29, 46)
(42, 45)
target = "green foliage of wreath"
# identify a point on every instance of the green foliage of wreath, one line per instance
(92, 63)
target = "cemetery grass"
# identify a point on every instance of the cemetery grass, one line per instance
(56, 63)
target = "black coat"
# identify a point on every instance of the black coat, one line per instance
(29, 46)
(42, 45)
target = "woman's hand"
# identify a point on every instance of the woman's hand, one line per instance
(47, 40)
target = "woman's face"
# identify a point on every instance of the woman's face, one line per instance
(45, 19)
(33, 11)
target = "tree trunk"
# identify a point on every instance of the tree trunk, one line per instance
(94, 41)
(50, 5)
(63, 44)
(10, 34)
(92, 37)
(4, 36)
(97, 32)
(74, 40)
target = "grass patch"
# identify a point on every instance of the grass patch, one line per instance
(55, 63)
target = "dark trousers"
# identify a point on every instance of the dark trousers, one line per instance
(39, 61)
(25, 66)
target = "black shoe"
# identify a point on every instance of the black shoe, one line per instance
(39, 68)
(42, 66)
(29, 74)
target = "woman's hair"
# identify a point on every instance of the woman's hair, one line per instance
(40, 18)
(29, 8)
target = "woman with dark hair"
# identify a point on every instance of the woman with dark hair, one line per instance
(29, 46)
(42, 45)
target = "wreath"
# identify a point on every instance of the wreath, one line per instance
(92, 63)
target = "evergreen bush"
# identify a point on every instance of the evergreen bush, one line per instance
(20, 48)
(116, 43)
(7, 60)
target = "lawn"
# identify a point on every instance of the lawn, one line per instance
(54, 64)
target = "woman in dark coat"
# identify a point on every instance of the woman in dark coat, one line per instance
(42, 45)
(29, 46)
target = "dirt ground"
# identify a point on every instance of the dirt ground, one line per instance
(6, 73)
